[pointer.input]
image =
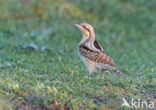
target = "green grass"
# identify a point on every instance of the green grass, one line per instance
(39, 64)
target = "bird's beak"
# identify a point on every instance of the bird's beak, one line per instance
(79, 26)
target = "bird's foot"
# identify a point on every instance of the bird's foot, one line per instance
(90, 76)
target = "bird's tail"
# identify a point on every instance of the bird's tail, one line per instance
(115, 70)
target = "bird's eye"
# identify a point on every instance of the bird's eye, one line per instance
(87, 29)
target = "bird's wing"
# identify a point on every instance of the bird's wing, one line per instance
(97, 56)
(97, 45)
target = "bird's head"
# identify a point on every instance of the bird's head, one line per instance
(87, 31)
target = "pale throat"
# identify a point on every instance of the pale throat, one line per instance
(84, 38)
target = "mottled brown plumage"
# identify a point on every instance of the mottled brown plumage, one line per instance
(91, 52)
(99, 57)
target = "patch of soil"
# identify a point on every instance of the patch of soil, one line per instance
(34, 102)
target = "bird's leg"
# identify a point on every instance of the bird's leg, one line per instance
(90, 74)
(102, 75)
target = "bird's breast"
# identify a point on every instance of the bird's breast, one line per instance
(91, 65)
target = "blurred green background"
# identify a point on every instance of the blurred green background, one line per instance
(39, 64)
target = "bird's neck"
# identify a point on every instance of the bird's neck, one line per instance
(85, 40)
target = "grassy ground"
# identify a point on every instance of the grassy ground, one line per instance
(39, 64)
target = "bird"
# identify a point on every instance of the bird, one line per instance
(92, 54)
